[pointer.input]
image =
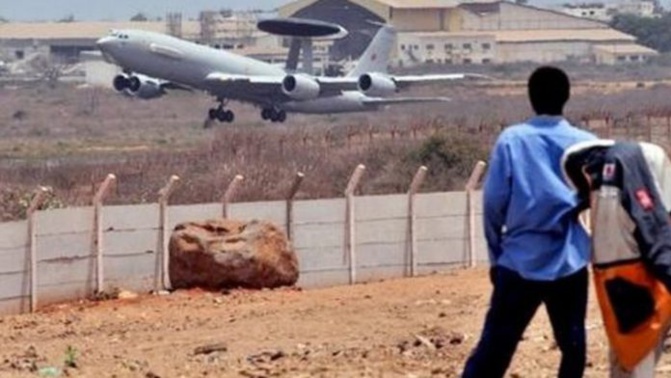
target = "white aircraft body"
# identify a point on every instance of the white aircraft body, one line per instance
(153, 62)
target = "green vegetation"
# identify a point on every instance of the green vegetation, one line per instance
(653, 32)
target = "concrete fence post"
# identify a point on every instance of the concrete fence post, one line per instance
(163, 273)
(35, 204)
(230, 192)
(98, 228)
(298, 180)
(350, 240)
(412, 232)
(471, 186)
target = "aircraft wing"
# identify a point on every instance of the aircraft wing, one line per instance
(411, 80)
(272, 85)
(382, 101)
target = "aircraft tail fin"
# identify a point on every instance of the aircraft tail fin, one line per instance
(376, 56)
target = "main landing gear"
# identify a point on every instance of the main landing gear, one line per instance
(220, 114)
(273, 115)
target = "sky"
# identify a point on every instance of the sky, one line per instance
(40, 10)
(44, 10)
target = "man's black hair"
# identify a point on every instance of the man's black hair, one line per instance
(549, 90)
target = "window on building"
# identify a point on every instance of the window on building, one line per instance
(448, 46)
(429, 46)
(466, 46)
(448, 61)
(634, 58)
(402, 47)
(19, 54)
(486, 60)
(415, 47)
(429, 61)
(621, 58)
(467, 61)
(486, 46)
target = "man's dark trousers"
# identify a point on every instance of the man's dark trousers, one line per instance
(513, 305)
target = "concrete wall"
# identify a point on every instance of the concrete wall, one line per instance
(66, 264)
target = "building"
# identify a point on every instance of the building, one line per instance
(594, 11)
(470, 32)
(605, 12)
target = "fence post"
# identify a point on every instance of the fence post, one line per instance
(350, 241)
(414, 187)
(471, 185)
(163, 278)
(298, 180)
(230, 192)
(98, 227)
(36, 202)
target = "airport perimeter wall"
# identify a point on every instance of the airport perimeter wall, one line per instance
(63, 242)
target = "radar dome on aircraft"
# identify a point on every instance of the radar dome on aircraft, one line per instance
(302, 28)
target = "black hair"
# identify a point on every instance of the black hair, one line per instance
(549, 90)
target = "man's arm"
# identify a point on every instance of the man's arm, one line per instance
(496, 196)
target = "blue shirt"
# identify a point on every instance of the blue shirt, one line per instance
(529, 211)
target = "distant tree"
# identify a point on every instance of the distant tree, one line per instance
(226, 12)
(2, 19)
(653, 32)
(68, 18)
(522, 2)
(139, 17)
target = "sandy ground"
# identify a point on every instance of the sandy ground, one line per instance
(399, 328)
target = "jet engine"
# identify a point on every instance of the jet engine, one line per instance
(374, 84)
(300, 87)
(142, 87)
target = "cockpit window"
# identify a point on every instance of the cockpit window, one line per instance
(119, 35)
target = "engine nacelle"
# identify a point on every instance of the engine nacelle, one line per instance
(141, 87)
(300, 87)
(375, 84)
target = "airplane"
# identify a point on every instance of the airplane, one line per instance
(177, 63)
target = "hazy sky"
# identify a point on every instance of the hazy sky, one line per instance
(32, 10)
(27, 10)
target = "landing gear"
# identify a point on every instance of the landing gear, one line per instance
(274, 115)
(220, 114)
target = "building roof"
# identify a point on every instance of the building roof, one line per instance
(420, 3)
(82, 30)
(543, 35)
(628, 49)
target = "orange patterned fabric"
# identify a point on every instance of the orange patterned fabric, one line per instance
(631, 347)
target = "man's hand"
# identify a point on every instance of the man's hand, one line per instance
(492, 274)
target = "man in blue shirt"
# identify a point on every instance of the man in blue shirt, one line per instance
(537, 248)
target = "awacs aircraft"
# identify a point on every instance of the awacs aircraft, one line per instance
(178, 63)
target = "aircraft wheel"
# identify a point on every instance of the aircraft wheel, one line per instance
(212, 114)
(281, 116)
(229, 116)
(265, 114)
(221, 115)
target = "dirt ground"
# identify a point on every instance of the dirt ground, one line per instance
(415, 327)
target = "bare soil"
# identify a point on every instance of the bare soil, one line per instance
(415, 327)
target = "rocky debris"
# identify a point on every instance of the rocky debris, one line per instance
(220, 253)
(26, 361)
(433, 339)
(210, 348)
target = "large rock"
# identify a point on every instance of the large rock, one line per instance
(223, 253)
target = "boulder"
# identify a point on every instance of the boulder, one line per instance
(223, 253)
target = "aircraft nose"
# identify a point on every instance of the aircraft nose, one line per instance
(105, 42)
